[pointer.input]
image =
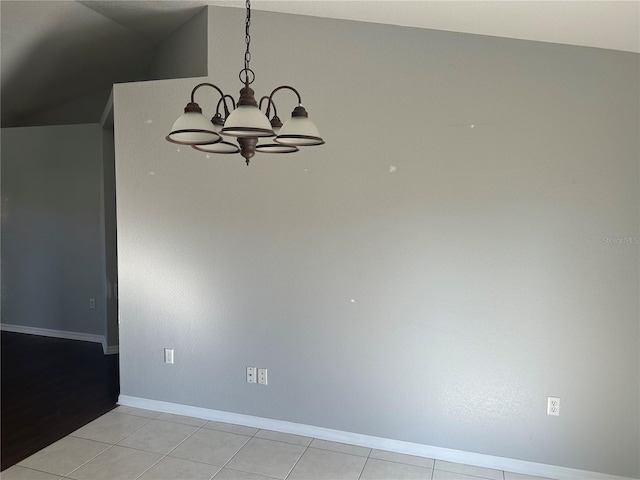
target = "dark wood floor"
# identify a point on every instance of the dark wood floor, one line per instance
(51, 387)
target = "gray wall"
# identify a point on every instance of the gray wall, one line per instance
(184, 52)
(415, 278)
(109, 247)
(51, 236)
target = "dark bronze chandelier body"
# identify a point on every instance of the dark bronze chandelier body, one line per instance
(244, 120)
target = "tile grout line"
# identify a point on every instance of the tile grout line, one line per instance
(111, 445)
(167, 454)
(106, 449)
(298, 461)
(398, 463)
(151, 466)
(252, 436)
(365, 463)
(405, 463)
(92, 458)
(149, 420)
(239, 450)
(197, 429)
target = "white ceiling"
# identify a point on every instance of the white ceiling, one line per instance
(598, 23)
(57, 51)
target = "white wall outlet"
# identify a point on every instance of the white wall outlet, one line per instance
(553, 406)
(92, 303)
(168, 355)
(251, 374)
(262, 376)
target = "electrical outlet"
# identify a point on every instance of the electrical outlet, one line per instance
(92, 303)
(168, 355)
(262, 376)
(251, 374)
(553, 406)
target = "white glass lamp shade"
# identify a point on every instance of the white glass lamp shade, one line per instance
(193, 128)
(247, 121)
(276, 148)
(299, 131)
(219, 147)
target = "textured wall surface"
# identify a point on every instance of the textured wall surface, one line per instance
(51, 237)
(416, 278)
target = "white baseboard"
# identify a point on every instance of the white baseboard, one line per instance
(109, 349)
(398, 446)
(47, 332)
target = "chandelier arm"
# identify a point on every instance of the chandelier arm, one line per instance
(224, 100)
(233, 102)
(193, 92)
(218, 105)
(288, 88)
(271, 102)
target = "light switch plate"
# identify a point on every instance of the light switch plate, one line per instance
(168, 355)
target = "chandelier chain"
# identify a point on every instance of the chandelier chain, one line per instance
(247, 39)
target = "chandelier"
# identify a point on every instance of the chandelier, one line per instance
(244, 120)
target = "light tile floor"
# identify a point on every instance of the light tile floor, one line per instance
(129, 443)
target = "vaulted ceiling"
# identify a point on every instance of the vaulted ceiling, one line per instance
(56, 52)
